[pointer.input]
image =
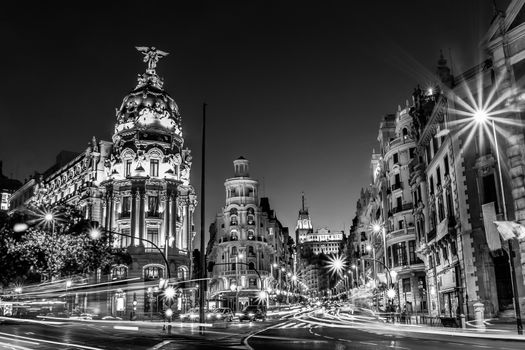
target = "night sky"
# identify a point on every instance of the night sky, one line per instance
(297, 88)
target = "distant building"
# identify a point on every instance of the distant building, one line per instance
(7, 188)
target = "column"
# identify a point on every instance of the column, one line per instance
(141, 214)
(166, 218)
(133, 227)
(173, 217)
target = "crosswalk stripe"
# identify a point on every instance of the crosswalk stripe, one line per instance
(288, 325)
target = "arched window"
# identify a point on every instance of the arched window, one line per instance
(251, 266)
(182, 272)
(405, 133)
(119, 272)
(233, 236)
(234, 250)
(251, 235)
(152, 272)
(251, 251)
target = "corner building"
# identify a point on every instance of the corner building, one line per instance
(137, 185)
(248, 241)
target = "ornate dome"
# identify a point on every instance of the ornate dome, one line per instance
(148, 107)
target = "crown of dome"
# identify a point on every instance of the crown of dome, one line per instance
(148, 106)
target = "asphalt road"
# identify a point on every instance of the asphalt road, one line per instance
(97, 336)
(310, 333)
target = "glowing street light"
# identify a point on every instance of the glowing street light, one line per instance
(169, 293)
(391, 293)
(336, 264)
(480, 116)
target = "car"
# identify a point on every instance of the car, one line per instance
(253, 313)
(223, 313)
(191, 315)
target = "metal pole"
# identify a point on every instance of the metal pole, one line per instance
(517, 310)
(203, 218)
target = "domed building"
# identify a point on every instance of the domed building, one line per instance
(248, 241)
(137, 188)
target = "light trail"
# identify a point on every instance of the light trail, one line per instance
(16, 337)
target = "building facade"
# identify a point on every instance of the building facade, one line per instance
(136, 187)
(7, 188)
(249, 245)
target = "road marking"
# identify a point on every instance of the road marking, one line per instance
(126, 328)
(30, 333)
(481, 346)
(287, 325)
(52, 342)
(12, 346)
(24, 341)
(160, 345)
(365, 343)
(300, 324)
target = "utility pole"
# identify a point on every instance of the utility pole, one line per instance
(202, 286)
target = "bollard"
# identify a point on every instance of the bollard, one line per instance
(479, 312)
(463, 323)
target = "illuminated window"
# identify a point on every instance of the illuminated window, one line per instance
(119, 272)
(152, 272)
(126, 206)
(125, 241)
(153, 205)
(153, 236)
(154, 167)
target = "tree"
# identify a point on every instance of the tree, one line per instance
(63, 251)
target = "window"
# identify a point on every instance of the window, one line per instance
(435, 145)
(441, 208)
(412, 252)
(153, 205)
(182, 272)
(152, 272)
(450, 210)
(154, 167)
(234, 250)
(126, 206)
(453, 248)
(251, 251)
(405, 133)
(152, 234)
(489, 191)
(430, 261)
(119, 272)
(251, 236)
(400, 224)
(125, 241)
(233, 236)
(233, 267)
(438, 176)
(431, 181)
(406, 285)
(438, 260)
(127, 169)
(412, 152)
(252, 283)
(251, 266)
(399, 203)
(445, 163)
(445, 253)
(429, 156)
(395, 158)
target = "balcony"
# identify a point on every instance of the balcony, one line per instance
(397, 186)
(153, 214)
(403, 207)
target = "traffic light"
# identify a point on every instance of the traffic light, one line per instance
(211, 264)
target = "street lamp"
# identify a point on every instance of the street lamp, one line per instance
(481, 116)
(68, 285)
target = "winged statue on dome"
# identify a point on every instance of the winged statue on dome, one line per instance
(151, 55)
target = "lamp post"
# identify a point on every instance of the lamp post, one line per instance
(481, 116)
(68, 285)
(95, 234)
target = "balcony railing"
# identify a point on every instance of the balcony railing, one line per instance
(403, 207)
(397, 186)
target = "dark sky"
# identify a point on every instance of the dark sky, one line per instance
(298, 88)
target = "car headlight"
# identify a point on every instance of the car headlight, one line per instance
(251, 314)
(219, 316)
(238, 314)
(193, 316)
